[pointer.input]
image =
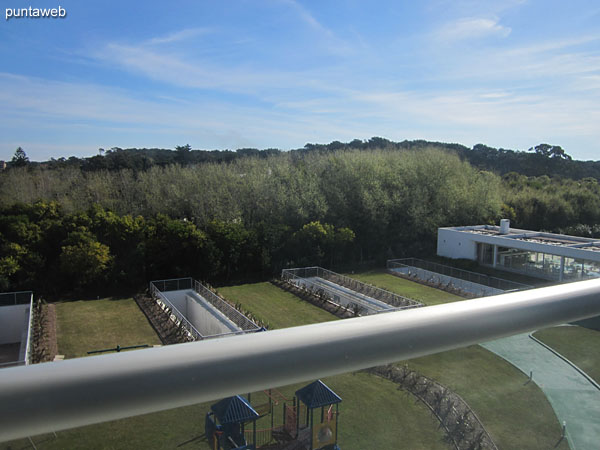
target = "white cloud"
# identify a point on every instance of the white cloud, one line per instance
(97, 116)
(178, 70)
(471, 28)
(178, 36)
(111, 116)
(328, 39)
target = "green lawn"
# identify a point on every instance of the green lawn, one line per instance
(516, 413)
(517, 416)
(374, 414)
(88, 325)
(274, 306)
(579, 345)
(425, 294)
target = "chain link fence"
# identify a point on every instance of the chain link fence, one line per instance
(176, 284)
(473, 277)
(347, 291)
(15, 298)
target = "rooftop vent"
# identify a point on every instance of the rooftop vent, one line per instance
(504, 226)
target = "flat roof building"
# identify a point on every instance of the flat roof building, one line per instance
(538, 254)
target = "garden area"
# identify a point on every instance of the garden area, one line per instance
(374, 412)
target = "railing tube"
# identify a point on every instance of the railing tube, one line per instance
(54, 396)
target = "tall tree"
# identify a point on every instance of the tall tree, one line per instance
(20, 159)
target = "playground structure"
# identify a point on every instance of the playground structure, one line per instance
(353, 295)
(296, 428)
(199, 311)
(15, 328)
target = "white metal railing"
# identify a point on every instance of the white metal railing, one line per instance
(229, 311)
(467, 275)
(48, 397)
(173, 311)
(301, 276)
(240, 320)
(29, 331)
(15, 298)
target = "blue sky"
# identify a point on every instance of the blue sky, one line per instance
(281, 73)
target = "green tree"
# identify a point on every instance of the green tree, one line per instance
(236, 247)
(19, 159)
(84, 260)
(176, 248)
(316, 243)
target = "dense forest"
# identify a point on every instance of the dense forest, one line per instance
(543, 159)
(230, 215)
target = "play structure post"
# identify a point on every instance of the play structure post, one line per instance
(297, 416)
(312, 411)
(336, 421)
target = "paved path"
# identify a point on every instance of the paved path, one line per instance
(574, 399)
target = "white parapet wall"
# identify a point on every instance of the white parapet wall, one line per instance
(14, 320)
(456, 245)
(206, 318)
(200, 313)
(448, 281)
(178, 299)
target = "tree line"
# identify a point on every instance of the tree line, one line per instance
(70, 229)
(542, 159)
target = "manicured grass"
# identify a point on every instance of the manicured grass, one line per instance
(579, 345)
(425, 294)
(517, 416)
(88, 325)
(516, 413)
(165, 429)
(274, 306)
(374, 414)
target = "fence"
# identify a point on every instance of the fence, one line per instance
(263, 437)
(158, 287)
(27, 352)
(20, 298)
(474, 277)
(15, 298)
(170, 309)
(174, 284)
(229, 311)
(445, 282)
(389, 300)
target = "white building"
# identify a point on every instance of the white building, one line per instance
(538, 254)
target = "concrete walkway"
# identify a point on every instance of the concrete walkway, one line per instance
(574, 399)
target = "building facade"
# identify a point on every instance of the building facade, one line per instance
(538, 254)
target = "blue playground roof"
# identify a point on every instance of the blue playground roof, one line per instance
(234, 410)
(317, 394)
